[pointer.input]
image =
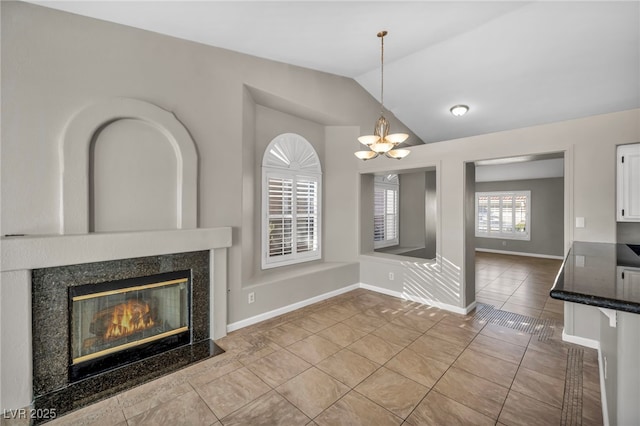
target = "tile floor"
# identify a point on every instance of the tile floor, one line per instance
(363, 358)
(518, 284)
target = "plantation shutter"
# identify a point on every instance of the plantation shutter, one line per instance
(306, 214)
(391, 214)
(280, 216)
(385, 212)
(291, 202)
(503, 215)
(378, 215)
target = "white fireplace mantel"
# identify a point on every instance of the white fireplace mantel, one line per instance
(21, 254)
(46, 251)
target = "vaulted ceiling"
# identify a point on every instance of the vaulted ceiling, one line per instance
(516, 64)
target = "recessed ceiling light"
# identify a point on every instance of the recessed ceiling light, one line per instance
(459, 110)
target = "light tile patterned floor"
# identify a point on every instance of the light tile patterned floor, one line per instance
(364, 358)
(518, 284)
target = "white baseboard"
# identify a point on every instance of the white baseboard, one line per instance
(518, 253)
(418, 299)
(603, 389)
(440, 305)
(382, 290)
(593, 344)
(582, 341)
(286, 309)
(289, 308)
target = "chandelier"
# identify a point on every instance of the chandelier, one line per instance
(381, 142)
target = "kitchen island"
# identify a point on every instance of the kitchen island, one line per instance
(607, 276)
(600, 274)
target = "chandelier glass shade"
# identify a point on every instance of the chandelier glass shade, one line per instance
(381, 142)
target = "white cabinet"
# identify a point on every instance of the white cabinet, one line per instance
(628, 283)
(628, 183)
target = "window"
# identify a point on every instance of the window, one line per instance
(503, 215)
(291, 207)
(385, 211)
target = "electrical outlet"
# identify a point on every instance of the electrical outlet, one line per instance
(252, 297)
(504, 243)
(391, 276)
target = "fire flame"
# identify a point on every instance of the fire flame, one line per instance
(128, 318)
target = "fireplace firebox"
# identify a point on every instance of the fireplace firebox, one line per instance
(117, 322)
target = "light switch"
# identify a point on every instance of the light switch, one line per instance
(579, 222)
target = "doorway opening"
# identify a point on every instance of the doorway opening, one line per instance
(515, 230)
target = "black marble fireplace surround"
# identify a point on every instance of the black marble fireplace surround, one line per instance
(50, 316)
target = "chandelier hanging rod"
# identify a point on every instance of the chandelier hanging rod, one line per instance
(381, 34)
(381, 142)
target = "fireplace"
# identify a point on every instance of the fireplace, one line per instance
(114, 323)
(37, 271)
(104, 327)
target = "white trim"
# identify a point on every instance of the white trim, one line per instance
(291, 151)
(292, 307)
(603, 389)
(625, 192)
(612, 315)
(383, 290)
(582, 341)
(47, 251)
(286, 309)
(500, 234)
(519, 253)
(302, 163)
(593, 344)
(413, 298)
(74, 151)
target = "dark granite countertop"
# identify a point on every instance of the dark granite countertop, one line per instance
(589, 275)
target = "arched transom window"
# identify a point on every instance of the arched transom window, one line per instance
(291, 202)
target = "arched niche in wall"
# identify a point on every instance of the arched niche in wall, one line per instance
(127, 165)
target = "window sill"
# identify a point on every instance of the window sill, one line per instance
(301, 260)
(505, 237)
(385, 244)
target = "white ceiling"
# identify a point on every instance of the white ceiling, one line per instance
(516, 64)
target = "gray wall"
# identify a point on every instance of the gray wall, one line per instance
(431, 214)
(547, 216)
(269, 124)
(418, 213)
(588, 192)
(469, 233)
(412, 209)
(367, 185)
(628, 232)
(418, 216)
(123, 172)
(54, 64)
(418, 210)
